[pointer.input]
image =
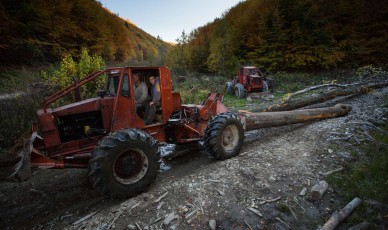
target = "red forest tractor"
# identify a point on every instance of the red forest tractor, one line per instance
(106, 135)
(248, 82)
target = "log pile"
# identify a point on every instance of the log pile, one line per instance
(296, 100)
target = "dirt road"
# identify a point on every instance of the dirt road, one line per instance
(272, 169)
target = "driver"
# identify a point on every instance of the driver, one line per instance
(140, 90)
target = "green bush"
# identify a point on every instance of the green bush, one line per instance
(370, 72)
(69, 69)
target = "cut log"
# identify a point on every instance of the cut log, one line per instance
(338, 217)
(273, 119)
(318, 190)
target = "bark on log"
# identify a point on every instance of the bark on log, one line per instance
(318, 190)
(338, 217)
(273, 119)
(291, 104)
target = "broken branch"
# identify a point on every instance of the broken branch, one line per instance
(332, 171)
(338, 217)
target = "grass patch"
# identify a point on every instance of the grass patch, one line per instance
(367, 178)
(231, 101)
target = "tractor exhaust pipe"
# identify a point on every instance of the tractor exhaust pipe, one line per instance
(274, 119)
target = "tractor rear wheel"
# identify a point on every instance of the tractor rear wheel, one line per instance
(124, 163)
(224, 136)
(239, 91)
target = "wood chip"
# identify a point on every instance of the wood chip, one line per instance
(161, 197)
(138, 226)
(172, 216)
(85, 217)
(255, 211)
(188, 216)
(303, 192)
(249, 227)
(283, 222)
(221, 193)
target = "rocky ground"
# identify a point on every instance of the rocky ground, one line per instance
(259, 189)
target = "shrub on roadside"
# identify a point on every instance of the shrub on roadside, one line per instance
(69, 69)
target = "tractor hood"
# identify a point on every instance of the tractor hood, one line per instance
(92, 104)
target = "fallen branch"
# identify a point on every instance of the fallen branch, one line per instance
(85, 218)
(338, 217)
(332, 171)
(269, 201)
(161, 197)
(255, 211)
(114, 220)
(283, 222)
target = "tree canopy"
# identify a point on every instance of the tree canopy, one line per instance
(289, 35)
(45, 31)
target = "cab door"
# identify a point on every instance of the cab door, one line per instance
(124, 106)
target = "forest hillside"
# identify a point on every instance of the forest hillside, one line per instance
(292, 35)
(38, 31)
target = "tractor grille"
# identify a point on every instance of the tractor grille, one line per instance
(257, 80)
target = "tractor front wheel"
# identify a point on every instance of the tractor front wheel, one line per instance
(224, 136)
(124, 163)
(239, 91)
(229, 87)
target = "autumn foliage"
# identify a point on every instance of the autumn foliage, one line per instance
(303, 35)
(44, 31)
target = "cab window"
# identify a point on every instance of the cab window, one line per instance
(125, 89)
(113, 84)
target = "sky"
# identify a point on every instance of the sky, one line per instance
(168, 18)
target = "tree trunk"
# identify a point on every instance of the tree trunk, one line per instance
(273, 119)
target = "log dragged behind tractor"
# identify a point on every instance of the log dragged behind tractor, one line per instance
(107, 135)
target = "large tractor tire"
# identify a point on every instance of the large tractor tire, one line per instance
(239, 91)
(224, 136)
(229, 87)
(124, 164)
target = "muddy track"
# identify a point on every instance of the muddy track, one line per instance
(274, 162)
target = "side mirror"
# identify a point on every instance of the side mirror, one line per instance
(101, 93)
